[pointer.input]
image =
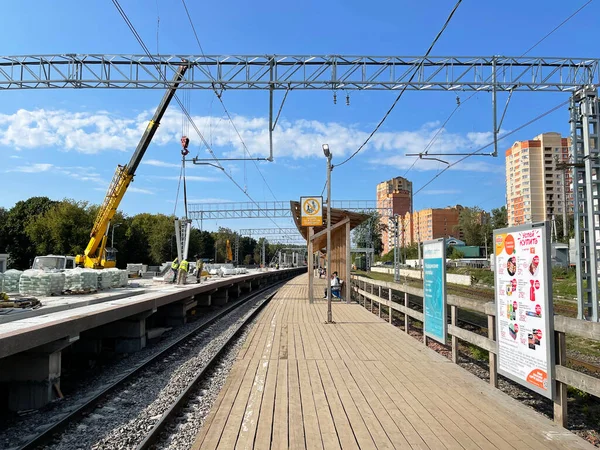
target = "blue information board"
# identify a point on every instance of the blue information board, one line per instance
(434, 289)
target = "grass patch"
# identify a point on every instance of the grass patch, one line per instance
(478, 354)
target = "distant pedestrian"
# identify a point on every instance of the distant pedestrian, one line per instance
(174, 268)
(183, 271)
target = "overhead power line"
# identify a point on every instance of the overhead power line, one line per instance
(181, 105)
(489, 78)
(389, 111)
(218, 95)
(535, 119)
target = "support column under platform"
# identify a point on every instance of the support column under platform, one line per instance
(220, 298)
(32, 378)
(176, 313)
(129, 334)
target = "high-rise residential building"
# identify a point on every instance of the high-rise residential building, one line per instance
(536, 189)
(397, 195)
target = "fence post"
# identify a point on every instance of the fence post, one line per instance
(390, 304)
(560, 396)
(371, 298)
(379, 303)
(492, 356)
(405, 313)
(453, 314)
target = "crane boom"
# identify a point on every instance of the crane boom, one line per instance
(96, 254)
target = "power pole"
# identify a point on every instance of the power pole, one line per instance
(396, 251)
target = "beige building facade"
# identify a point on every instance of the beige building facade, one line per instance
(536, 187)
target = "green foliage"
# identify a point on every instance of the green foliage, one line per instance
(455, 253)
(479, 354)
(63, 229)
(22, 250)
(499, 218)
(369, 232)
(473, 228)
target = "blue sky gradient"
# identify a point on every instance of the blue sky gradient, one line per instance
(66, 143)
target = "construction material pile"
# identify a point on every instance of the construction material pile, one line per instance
(11, 280)
(41, 283)
(81, 280)
(104, 279)
(119, 277)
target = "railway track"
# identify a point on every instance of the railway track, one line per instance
(50, 432)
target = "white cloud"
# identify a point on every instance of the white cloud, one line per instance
(157, 163)
(94, 132)
(188, 178)
(16, 157)
(33, 168)
(139, 190)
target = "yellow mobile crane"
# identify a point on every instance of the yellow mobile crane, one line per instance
(97, 255)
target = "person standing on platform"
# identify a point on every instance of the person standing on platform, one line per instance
(199, 269)
(174, 268)
(183, 271)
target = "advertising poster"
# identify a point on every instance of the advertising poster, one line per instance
(524, 306)
(312, 211)
(434, 289)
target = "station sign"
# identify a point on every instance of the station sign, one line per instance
(312, 211)
(434, 290)
(524, 312)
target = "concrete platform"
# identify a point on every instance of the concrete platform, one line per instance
(359, 383)
(30, 332)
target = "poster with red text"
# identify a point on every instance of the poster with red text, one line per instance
(524, 306)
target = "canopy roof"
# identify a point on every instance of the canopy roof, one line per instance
(337, 216)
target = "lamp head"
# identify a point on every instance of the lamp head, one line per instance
(326, 150)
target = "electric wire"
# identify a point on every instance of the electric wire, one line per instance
(182, 106)
(489, 77)
(535, 119)
(389, 111)
(219, 96)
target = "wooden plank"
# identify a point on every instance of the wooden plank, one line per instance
(247, 431)
(267, 407)
(340, 374)
(280, 414)
(313, 436)
(334, 386)
(217, 425)
(296, 429)
(226, 396)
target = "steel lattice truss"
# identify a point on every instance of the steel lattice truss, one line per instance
(287, 72)
(275, 209)
(269, 232)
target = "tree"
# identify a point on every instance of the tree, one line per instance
(472, 226)
(499, 218)
(368, 233)
(455, 253)
(64, 229)
(156, 233)
(3, 240)
(22, 250)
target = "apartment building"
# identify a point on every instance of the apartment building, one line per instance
(397, 194)
(536, 190)
(432, 223)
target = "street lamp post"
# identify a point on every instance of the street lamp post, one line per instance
(112, 239)
(328, 155)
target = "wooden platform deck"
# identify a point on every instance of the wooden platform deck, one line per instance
(359, 383)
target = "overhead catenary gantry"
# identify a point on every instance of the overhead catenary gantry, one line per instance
(273, 209)
(292, 72)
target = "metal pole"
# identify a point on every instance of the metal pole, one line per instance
(329, 272)
(565, 203)
(494, 107)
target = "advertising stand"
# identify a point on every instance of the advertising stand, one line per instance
(434, 290)
(524, 312)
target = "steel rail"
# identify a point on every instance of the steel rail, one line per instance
(47, 434)
(154, 433)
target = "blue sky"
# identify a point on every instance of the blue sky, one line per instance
(66, 143)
